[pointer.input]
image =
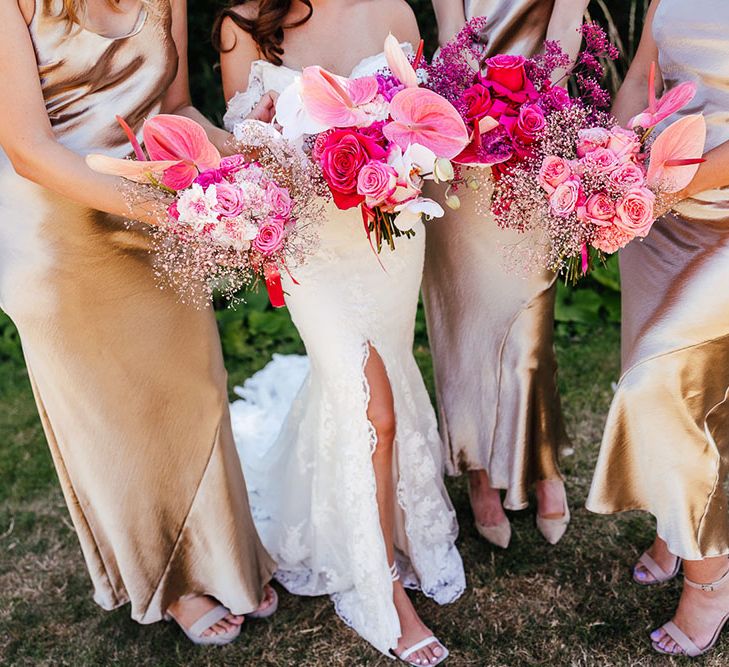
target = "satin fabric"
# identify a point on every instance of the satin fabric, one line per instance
(130, 384)
(491, 329)
(666, 443)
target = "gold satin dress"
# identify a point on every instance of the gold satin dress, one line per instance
(666, 443)
(130, 384)
(490, 329)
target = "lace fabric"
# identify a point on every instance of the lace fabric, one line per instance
(306, 443)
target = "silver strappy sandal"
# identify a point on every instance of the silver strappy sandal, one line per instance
(687, 645)
(659, 575)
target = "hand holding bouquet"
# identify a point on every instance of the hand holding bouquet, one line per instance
(227, 222)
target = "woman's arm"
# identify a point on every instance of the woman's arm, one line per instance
(564, 25)
(712, 174)
(26, 135)
(451, 17)
(632, 98)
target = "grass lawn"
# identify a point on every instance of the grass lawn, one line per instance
(534, 604)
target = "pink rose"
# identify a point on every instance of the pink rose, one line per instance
(530, 123)
(478, 101)
(628, 176)
(565, 198)
(554, 171)
(343, 154)
(230, 200)
(271, 235)
(508, 71)
(635, 212)
(279, 200)
(601, 161)
(624, 142)
(611, 238)
(599, 210)
(377, 182)
(232, 165)
(557, 98)
(590, 139)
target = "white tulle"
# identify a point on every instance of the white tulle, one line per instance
(306, 443)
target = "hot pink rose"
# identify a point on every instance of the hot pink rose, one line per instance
(635, 212)
(628, 176)
(590, 139)
(508, 71)
(624, 142)
(271, 235)
(599, 210)
(478, 102)
(557, 98)
(377, 182)
(343, 154)
(554, 171)
(172, 211)
(209, 177)
(230, 200)
(565, 198)
(530, 123)
(601, 161)
(279, 200)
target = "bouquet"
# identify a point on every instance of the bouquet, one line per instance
(376, 139)
(224, 222)
(592, 188)
(560, 163)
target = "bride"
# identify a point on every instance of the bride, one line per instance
(349, 497)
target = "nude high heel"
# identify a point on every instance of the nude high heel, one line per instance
(498, 535)
(432, 639)
(659, 575)
(688, 647)
(195, 632)
(272, 607)
(554, 529)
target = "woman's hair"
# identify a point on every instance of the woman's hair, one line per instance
(266, 27)
(74, 11)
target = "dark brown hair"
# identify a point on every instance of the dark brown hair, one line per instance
(266, 28)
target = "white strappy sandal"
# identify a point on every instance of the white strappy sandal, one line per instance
(428, 641)
(685, 642)
(205, 622)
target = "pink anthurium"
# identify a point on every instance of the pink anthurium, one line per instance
(178, 149)
(676, 154)
(420, 116)
(660, 109)
(336, 101)
(399, 64)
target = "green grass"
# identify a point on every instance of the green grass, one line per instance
(532, 605)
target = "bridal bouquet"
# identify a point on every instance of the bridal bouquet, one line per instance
(224, 222)
(593, 188)
(376, 140)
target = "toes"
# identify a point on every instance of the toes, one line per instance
(235, 620)
(437, 650)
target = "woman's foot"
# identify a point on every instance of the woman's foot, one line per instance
(701, 611)
(660, 560)
(189, 611)
(488, 512)
(268, 606)
(553, 514)
(414, 631)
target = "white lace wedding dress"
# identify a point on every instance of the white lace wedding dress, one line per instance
(303, 434)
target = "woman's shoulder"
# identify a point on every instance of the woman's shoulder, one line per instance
(401, 19)
(231, 30)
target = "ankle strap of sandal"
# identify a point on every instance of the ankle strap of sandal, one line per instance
(394, 574)
(713, 586)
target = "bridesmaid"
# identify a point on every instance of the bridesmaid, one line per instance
(130, 384)
(666, 441)
(500, 417)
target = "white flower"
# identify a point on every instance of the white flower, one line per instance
(412, 211)
(292, 116)
(196, 206)
(443, 171)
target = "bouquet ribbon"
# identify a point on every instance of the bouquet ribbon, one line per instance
(274, 286)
